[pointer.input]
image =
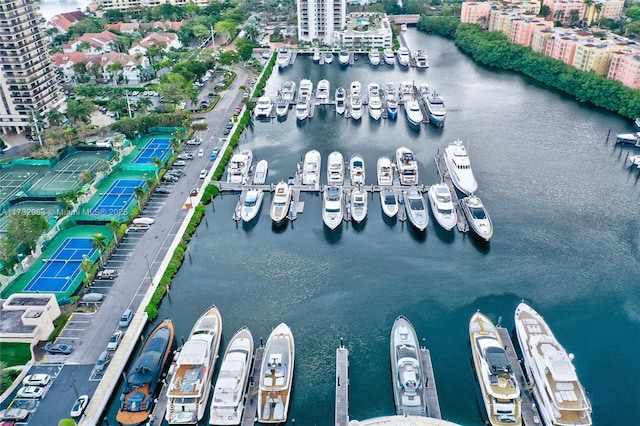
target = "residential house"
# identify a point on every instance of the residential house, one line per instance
(98, 42)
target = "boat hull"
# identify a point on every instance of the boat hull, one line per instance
(332, 213)
(280, 203)
(389, 203)
(442, 210)
(276, 376)
(359, 205)
(416, 209)
(478, 218)
(252, 204)
(408, 380)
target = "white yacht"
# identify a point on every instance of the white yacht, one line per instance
(413, 111)
(356, 170)
(306, 89)
(389, 202)
(282, 107)
(498, 384)
(227, 404)
(284, 57)
(251, 205)
(263, 107)
(459, 167)
(328, 57)
(276, 376)
(406, 370)
(316, 55)
(477, 216)
(404, 56)
(389, 57)
(407, 166)
(359, 204)
(420, 56)
(355, 90)
(188, 391)
(302, 109)
(332, 206)
(405, 92)
(311, 168)
(280, 203)
(288, 91)
(343, 57)
(260, 172)
(239, 166)
(416, 209)
(356, 108)
(341, 97)
(391, 98)
(436, 111)
(442, 206)
(385, 171)
(374, 57)
(630, 138)
(375, 104)
(322, 92)
(561, 398)
(335, 168)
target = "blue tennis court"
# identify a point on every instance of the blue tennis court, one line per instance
(154, 148)
(117, 199)
(62, 269)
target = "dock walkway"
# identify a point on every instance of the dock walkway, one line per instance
(342, 386)
(433, 403)
(251, 403)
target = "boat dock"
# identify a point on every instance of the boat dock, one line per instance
(160, 407)
(238, 210)
(342, 386)
(433, 403)
(462, 225)
(251, 400)
(530, 415)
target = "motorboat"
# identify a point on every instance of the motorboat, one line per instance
(144, 377)
(374, 57)
(459, 167)
(239, 166)
(630, 138)
(316, 55)
(282, 107)
(288, 91)
(385, 171)
(322, 92)
(413, 111)
(260, 172)
(405, 91)
(332, 206)
(391, 99)
(375, 104)
(359, 201)
(343, 57)
(302, 109)
(498, 384)
(436, 110)
(389, 202)
(335, 168)
(477, 216)
(341, 97)
(442, 206)
(280, 202)
(251, 205)
(276, 376)
(407, 166)
(389, 57)
(263, 107)
(423, 90)
(356, 170)
(188, 390)
(284, 57)
(560, 396)
(406, 370)
(227, 404)
(416, 209)
(421, 59)
(355, 90)
(404, 56)
(356, 108)
(328, 57)
(311, 168)
(306, 89)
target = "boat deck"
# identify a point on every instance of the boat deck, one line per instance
(462, 224)
(249, 416)
(342, 386)
(433, 403)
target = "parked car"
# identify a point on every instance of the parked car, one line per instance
(163, 190)
(194, 141)
(201, 153)
(180, 163)
(36, 380)
(193, 192)
(79, 406)
(126, 318)
(185, 156)
(107, 274)
(102, 362)
(203, 174)
(33, 392)
(92, 297)
(58, 348)
(169, 178)
(214, 153)
(114, 340)
(14, 414)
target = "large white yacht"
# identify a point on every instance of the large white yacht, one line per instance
(260, 173)
(343, 57)
(404, 56)
(188, 391)
(391, 98)
(251, 205)
(561, 398)
(276, 376)
(239, 166)
(374, 57)
(389, 202)
(477, 216)
(305, 90)
(406, 370)
(407, 166)
(356, 108)
(359, 204)
(420, 56)
(389, 57)
(341, 98)
(405, 91)
(385, 171)
(413, 111)
(355, 90)
(227, 404)
(282, 107)
(311, 168)
(356, 170)
(416, 209)
(332, 206)
(280, 202)
(263, 107)
(288, 91)
(302, 109)
(442, 206)
(498, 384)
(322, 91)
(335, 168)
(375, 104)
(459, 167)
(436, 111)
(284, 57)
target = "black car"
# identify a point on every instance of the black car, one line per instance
(169, 178)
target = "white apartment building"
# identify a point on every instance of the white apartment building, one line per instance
(320, 21)
(366, 30)
(137, 4)
(28, 81)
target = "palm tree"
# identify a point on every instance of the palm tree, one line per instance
(99, 242)
(86, 268)
(144, 104)
(114, 225)
(138, 194)
(157, 163)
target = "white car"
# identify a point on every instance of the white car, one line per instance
(79, 406)
(203, 173)
(37, 380)
(114, 340)
(30, 392)
(201, 153)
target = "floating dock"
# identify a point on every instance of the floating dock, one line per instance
(342, 386)
(433, 403)
(249, 416)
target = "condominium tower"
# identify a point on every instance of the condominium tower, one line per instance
(28, 81)
(320, 21)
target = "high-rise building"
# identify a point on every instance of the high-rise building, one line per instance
(28, 81)
(320, 21)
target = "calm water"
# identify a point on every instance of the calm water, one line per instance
(49, 8)
(566, 240)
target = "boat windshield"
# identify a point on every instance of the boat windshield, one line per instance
(477, 213)
(497, 359)
(332, 210)
(390, 199)
(445, 211)
(416, 204)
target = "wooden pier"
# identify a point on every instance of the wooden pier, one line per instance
(462, 224)
(433, 403)
(342, 386)
(251, 400)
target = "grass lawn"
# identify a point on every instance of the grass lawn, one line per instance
(14, 353)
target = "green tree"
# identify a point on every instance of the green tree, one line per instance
(115, 70)
(244, 46)
(139, 195)
(99, 243)
(157, 164)
(26, 229)
(175, 88)
(7, 250)
(85, 267)
(144, 104)
(85, 177)
(79, 110)
(114, 225)
(226, 28)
